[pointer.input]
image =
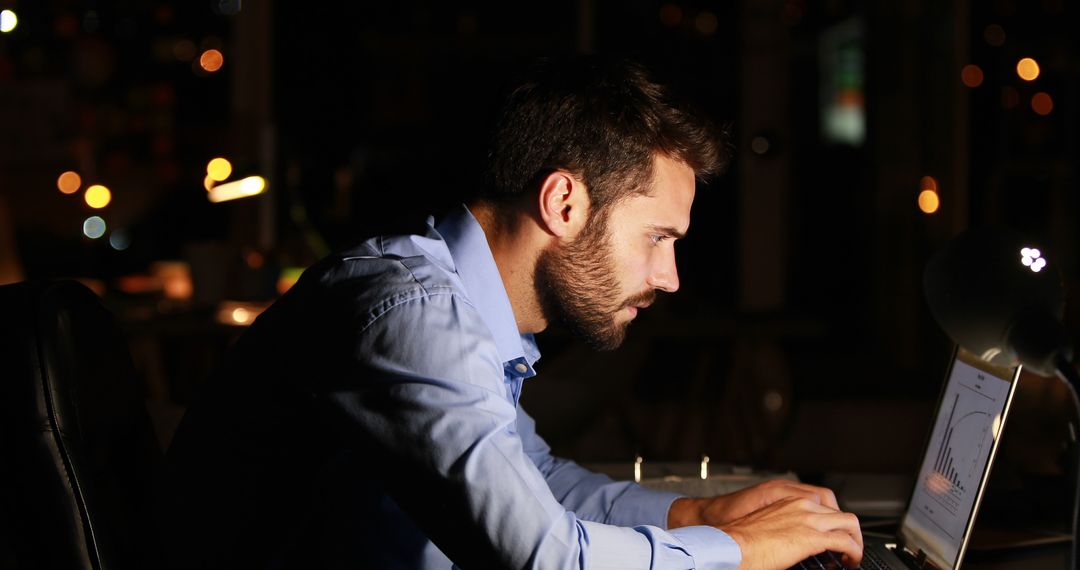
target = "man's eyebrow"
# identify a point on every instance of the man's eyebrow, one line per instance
(667, 230)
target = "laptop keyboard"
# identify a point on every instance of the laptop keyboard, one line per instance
(831, 561)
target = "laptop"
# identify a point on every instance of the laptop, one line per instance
(936, 527)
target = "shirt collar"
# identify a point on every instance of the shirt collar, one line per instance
(475, 265)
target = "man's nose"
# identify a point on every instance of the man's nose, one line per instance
(665, 276)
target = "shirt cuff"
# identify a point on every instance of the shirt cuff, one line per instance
(710, 547)
(638, 505)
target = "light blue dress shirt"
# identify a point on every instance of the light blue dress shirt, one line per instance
(438, 329)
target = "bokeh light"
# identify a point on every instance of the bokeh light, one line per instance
(971, 75)
(211, 60)
(1027, 69)
(929, 202)
(928, 183)
(254, 259)
(219, 169)
(249, 186)
(706, 23)
(241, 315)
(69, 182)
(8, 21)
(671, 15)
(119, 240)
(238, 313)
(760, 145)
(97, 196)
(93, 227)
(994, 35)
(1042, 103)
(184, 50)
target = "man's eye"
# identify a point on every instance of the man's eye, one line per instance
(656, 239)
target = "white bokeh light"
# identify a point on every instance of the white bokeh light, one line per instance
(8, 21)
(1032, 258)
(93, 227)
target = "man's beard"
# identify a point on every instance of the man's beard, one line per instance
(577, 286)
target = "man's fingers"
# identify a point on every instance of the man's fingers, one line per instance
(783, 488)
(851, 552)
(841, 531)
(826, 496)
(843, 535)
(793, 528)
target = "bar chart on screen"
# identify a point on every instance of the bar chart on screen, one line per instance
(961, 441)
(950, 474)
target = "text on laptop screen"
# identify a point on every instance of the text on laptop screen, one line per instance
(968, 422)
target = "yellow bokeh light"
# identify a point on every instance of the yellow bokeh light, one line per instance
(241, 315)
(249, 186)
(1042, 103)
(1027, 69)
(97, 196)
(211, 60)
(219, 169)
(69, 182)
(928, 183)
(929, 201)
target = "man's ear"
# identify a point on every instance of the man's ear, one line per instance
(564, 203)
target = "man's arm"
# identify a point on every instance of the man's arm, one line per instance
(594, 496)
(794, 525)
(425, 396)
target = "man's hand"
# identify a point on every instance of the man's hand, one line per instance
(716, 511)
(790, 530)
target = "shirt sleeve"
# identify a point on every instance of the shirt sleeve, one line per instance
(425, 399)
(593, 496)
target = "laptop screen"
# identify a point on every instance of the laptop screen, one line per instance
(956, 465)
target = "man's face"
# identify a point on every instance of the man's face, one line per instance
(596, 283)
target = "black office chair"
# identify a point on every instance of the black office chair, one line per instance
(77, 450)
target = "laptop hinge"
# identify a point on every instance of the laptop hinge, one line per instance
(920, 560)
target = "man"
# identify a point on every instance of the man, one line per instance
(370, 418)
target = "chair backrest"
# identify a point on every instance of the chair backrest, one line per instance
(78, 455)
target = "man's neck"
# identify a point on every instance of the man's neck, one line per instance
(515, 240)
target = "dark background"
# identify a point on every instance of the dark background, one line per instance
(800, 338)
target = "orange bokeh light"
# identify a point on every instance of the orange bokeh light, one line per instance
(671, 15)
(211, 60)
(928, 183)
(69, 182)
(929, 202)
(971, 75)
(1027, 69)
(1041, 103)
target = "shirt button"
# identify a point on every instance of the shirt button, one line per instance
(521, 368)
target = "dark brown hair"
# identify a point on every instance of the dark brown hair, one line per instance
(602, 120)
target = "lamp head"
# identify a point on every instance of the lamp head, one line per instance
(1000, 298)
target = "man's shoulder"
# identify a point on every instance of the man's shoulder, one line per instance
(387, 270)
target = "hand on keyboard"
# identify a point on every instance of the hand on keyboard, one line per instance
(787, 531)
(715, 511)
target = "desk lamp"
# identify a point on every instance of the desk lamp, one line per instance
(1001, 299)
